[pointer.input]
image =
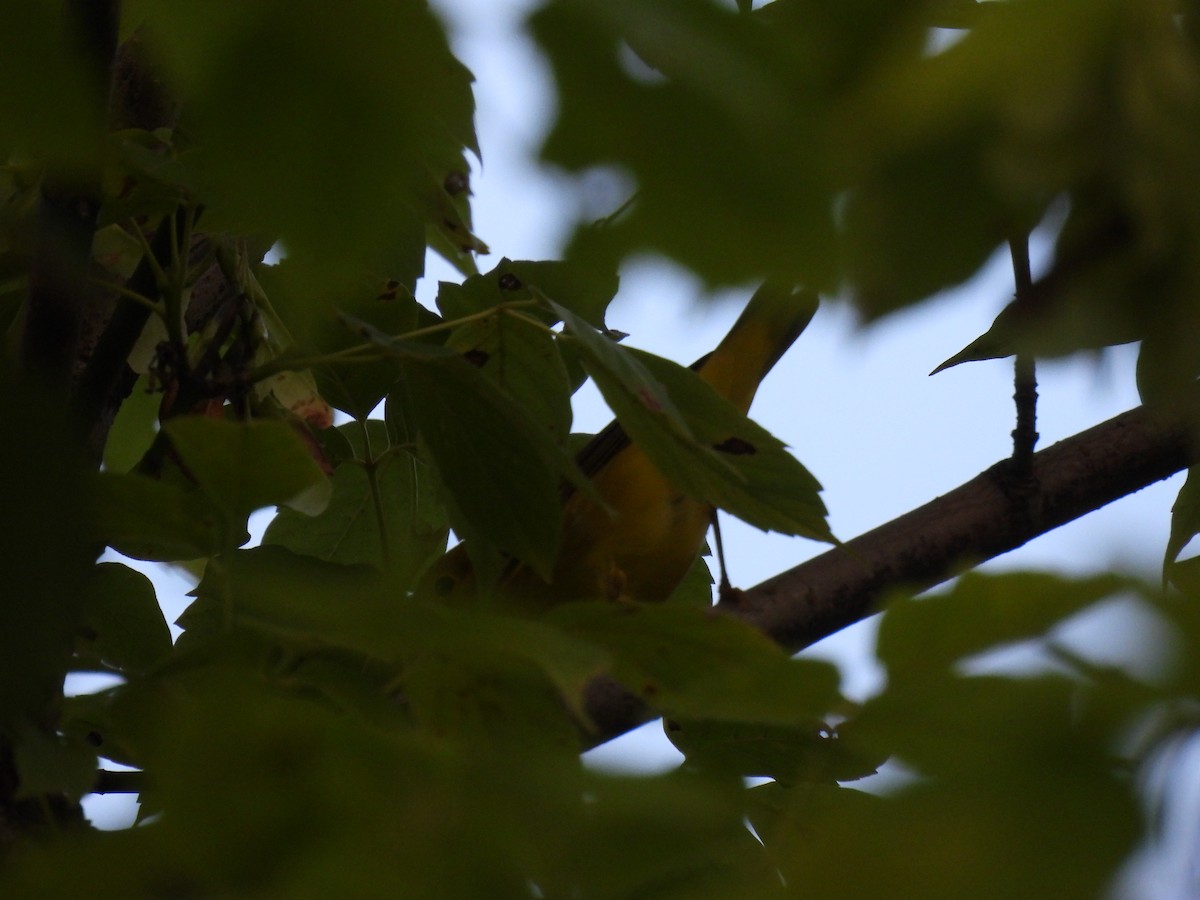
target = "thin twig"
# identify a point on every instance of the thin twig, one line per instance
(1025, 395)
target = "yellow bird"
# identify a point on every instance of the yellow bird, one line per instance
(641, 546)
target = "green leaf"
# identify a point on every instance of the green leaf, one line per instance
(770, 488)
(400, 419)
(288, 597)
(521, 357)
(782, 814)
(87, 720)
(583, 286)
(1020, 757)
(1185, 575)
(145, 518)
(145, 176)
(36, 38)
(123, 625)
(624, 373)
(503, 701)
(246, 466)
(696, 588)
(448, 215)
(1185, 518)
(975, 724)
(895, 215)
(804, 751)
(756, 199)
(447, 210)
(479, 641)
(226, 738)
(962, 148)
(405, 531)
(316, 310)
(348, 685)
(501, 470)
(133, 429)
(674, 835)
(695, 664)
(1030, 836)
(982, 612)
(51, 764)
(1048, 325)
(700, 441)
(305, 121)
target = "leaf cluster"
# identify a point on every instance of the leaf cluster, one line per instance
(323, 725)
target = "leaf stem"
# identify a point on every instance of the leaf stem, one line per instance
(371, 466)
(123, 291)
(449, 324)
(359, 353)
(371, 351)
(172, 286)
(148, 256)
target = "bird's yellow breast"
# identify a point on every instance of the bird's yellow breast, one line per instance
(642, 545)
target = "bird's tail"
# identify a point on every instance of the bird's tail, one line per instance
(767, 327)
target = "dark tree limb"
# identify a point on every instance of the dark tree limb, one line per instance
(971, 524)
(138, 97)
(70, 203)
(109, 781)
(58, 285)
(59, 289)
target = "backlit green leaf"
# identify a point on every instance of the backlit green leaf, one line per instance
(52, 764)
(122, 623)
(501, 469)
(807, 751)
(982, 612)
(693, 663)
(700, 441)
(313, 139)
(393, 509)
(583, 286)
(244, 466)
(53, 114)
(521, 357)
(144, 518)
(643, 85)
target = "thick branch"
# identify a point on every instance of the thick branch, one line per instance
(973, 523)
(110, 326)
(69, 206)
(111, 782)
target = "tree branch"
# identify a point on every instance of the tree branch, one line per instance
(968, 526)
(70, 203)
(112, 782)
(110, 326)
(1025, 395)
